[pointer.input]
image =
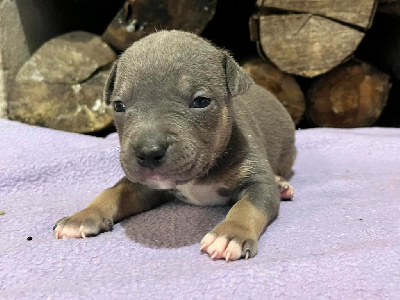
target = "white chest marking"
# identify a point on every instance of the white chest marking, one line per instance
(201, 194)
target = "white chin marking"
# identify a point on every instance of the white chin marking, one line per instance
(160, 183)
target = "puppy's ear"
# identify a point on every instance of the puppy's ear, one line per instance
(237, 80)
(109, 88)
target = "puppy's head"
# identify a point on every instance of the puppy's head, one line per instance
(171, 92)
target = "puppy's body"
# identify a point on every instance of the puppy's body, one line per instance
(193, 125)
(262, 136)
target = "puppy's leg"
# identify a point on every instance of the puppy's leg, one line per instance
(287, 191)
(237, 236)
(112, 205)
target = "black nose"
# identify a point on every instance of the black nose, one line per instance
(150, 153)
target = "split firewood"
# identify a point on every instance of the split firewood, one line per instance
(309, 38)
(138, 18)
(351, 95)
(61, 85)
(282, 85)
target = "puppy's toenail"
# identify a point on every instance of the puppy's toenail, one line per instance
(228, 256)
(202, 246)
(110, 224)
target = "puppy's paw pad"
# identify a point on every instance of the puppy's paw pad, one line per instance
(286, 190)
(287, 193)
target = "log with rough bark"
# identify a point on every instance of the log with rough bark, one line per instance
(138, 18)
(351, 95)
(282, 85)
(309, 38)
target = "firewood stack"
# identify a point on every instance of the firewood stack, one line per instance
(138, 18)
(317, 39)
(308, 56)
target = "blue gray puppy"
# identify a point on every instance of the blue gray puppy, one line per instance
(194, 126)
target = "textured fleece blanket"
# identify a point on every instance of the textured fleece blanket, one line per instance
(338, 238)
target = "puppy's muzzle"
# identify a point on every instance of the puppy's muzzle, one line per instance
(151, 150)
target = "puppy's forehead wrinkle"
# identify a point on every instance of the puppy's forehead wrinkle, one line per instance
(165, 46)
(164, 54)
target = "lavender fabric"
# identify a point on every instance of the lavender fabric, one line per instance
(338, 238)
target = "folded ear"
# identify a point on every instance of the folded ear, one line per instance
(109, 88)
(237, 80)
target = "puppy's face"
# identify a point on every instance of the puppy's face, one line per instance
(171, 93)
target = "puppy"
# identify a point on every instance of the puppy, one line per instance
(193, 125)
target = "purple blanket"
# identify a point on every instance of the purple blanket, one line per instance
(338, 238)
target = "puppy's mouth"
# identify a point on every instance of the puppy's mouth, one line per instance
(167, 176)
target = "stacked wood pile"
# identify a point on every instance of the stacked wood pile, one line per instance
(308, 55)
(138, 18)
(317, 40)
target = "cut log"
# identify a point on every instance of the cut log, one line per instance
(61, 85)
(355, 12)
(282, 85)
(351, 95)
(309, 38)
(138, 18)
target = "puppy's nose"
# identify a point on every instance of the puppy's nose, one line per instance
(150, 153)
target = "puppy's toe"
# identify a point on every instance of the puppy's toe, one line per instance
(229, 241)
(233, 251)
(87, 222)
(217, 248)
(207, 240)
(287, 193)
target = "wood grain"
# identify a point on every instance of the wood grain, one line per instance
(306, 45)
(355, 12)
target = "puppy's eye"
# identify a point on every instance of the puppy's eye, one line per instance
(201, 102)
(119, 106)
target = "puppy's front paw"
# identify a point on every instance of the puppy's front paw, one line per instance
(87, 222)
(230, 241)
